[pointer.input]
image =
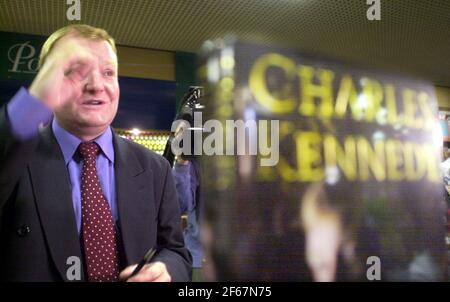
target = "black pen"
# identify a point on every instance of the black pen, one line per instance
(147, 259)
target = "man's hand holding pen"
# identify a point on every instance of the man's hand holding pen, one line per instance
(151, 272)
(146, 270)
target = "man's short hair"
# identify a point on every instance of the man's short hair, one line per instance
(82, 30)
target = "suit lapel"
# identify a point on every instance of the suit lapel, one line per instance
(51, 184)
(134, 201)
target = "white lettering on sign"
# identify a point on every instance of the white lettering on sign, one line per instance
(22, 57)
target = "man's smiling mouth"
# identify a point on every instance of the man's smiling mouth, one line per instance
(93, 103)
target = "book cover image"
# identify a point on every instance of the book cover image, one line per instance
(316, 170)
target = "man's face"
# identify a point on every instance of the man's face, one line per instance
(95, 98)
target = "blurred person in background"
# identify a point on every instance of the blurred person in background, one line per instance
(188, 183)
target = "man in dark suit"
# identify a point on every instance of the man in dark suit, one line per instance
(73, 192)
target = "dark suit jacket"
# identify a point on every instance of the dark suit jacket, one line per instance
(37, 222)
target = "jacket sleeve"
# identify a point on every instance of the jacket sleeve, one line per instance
(14, 157)
(19, 124)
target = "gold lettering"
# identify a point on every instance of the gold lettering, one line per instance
(335, 155)
(430, 155)
(394, 159)
(309, 91)
(309, 157)
(258, 83)
(370, 159)
(347, 94)
(391, 105)
(373, 94)
(428, 113)
(414, 161)
(410, 109)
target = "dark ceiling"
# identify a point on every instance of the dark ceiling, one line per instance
(412, 37)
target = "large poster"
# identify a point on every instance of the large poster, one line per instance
(335, 177)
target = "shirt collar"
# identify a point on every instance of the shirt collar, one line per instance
(69, 142)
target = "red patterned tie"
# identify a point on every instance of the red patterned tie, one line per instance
(99, 233)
